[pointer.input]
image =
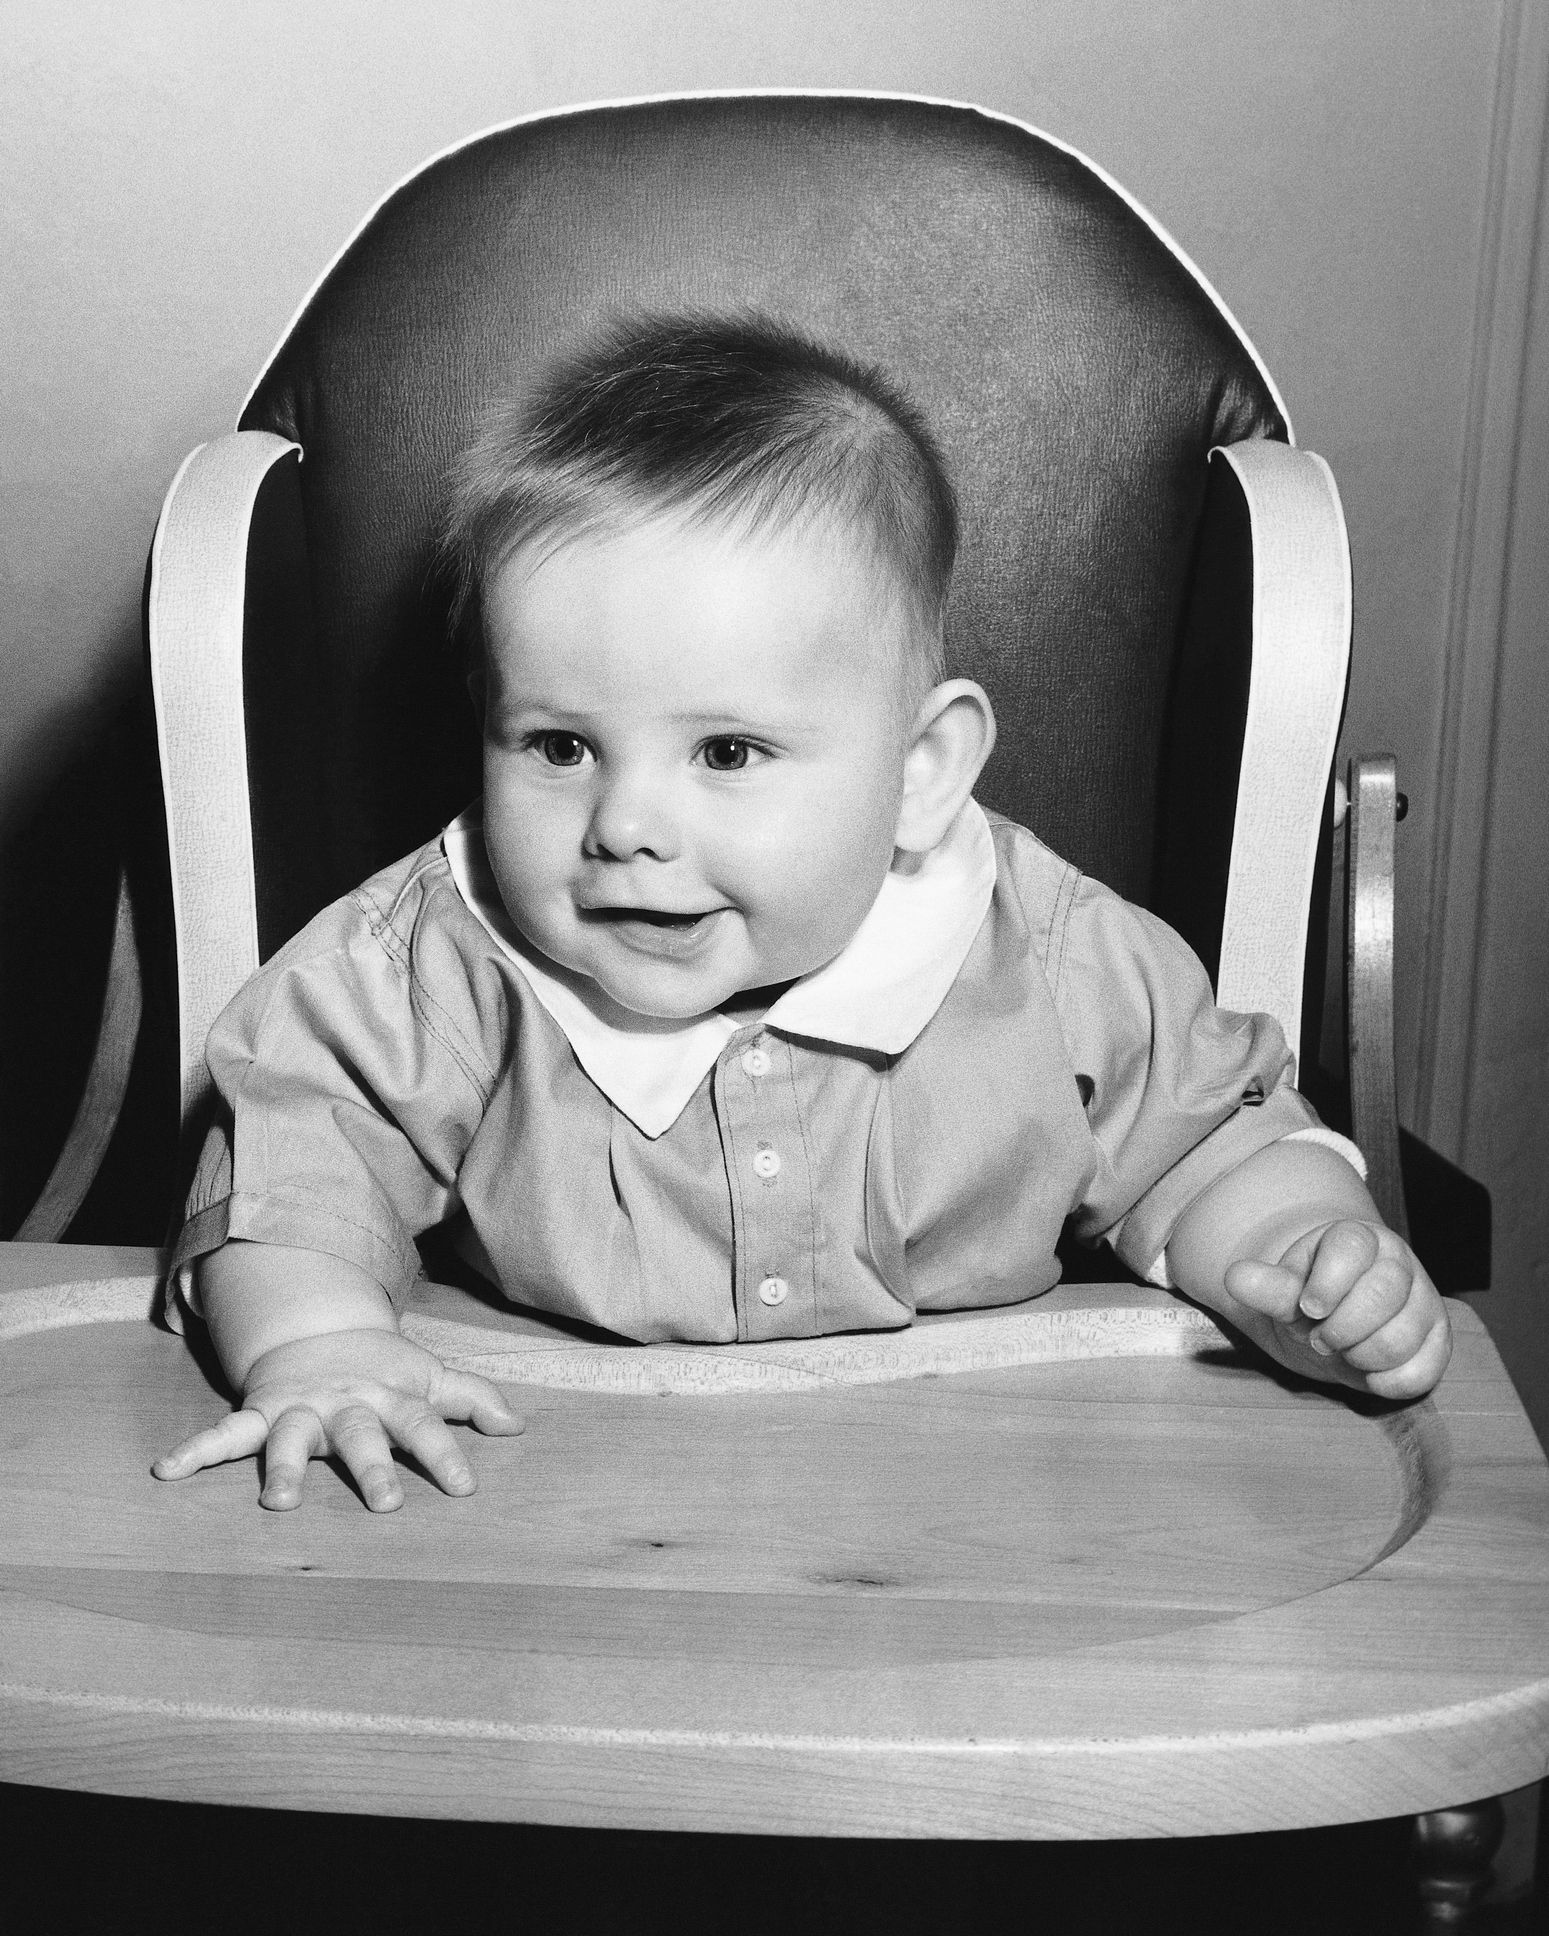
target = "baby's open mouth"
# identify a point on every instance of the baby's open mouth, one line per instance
(654, 931)
(653, 917)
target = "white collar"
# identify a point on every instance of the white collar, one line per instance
(877, 993)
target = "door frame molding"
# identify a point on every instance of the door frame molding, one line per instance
(1478, 634)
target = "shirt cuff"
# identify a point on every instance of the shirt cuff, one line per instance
(1331, 1139)
(298, 1223)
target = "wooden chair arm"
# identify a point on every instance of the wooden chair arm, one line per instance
(102, 1098)
(1373, 813)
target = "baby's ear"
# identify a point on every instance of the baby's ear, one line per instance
(953, 735)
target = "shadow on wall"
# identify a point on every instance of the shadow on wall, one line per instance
(94, 804)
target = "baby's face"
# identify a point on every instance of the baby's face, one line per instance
(693, 756)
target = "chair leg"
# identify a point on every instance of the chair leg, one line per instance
(1453, 1852)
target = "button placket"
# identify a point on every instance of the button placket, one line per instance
(773, 1240)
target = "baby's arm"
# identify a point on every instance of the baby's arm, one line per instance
(1290, 1248)
(312, 1344)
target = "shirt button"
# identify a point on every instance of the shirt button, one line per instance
(774, 1290)
(766, 1163)
(755, 1062)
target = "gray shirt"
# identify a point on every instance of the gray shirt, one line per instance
(1004, 1045)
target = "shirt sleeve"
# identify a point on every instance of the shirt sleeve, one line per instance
(347, 1089)
(1177, 1091)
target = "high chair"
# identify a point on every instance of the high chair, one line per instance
(1154, 588)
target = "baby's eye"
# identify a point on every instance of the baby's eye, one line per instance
(726, 755)
(560, 749)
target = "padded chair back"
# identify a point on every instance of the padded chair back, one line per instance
(1075, 368)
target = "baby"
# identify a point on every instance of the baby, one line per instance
(729, 1014)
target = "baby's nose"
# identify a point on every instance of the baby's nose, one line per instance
(632, 815)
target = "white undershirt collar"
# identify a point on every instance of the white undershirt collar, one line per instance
(877, 993)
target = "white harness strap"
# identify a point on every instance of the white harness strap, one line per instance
(1301, 655)
(197, 596)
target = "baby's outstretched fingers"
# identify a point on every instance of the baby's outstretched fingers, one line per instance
(359, 1435)
(464, 1395)
(238, 1436)
(427, 1437)
(295, 1438)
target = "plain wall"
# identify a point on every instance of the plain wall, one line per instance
(177, 174)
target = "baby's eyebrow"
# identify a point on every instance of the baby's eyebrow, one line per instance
(727, 720)
(732, 722)
(517, 705)
(775, 723)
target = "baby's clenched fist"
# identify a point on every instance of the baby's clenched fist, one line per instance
(1349, 1301)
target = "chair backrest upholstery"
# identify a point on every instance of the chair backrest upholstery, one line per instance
(1076, 370)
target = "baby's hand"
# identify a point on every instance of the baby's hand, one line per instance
(1356, 1297)
(348, 1392)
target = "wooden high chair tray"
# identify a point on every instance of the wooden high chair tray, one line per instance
(1074, 1569)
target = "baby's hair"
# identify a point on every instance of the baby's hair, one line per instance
(734, 420)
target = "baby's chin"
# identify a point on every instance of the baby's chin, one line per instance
(665, 1006)
(666, 998)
